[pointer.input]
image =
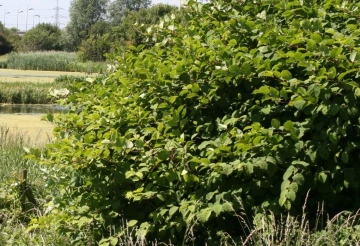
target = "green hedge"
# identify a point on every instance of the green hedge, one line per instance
(247, 107)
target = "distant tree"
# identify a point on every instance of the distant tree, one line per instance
(9, 40)
(5, 45)
(118, 9)
(130, 34)
(83, 15)
(44, 36)
(98, 44)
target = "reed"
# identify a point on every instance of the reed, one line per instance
(52, 61)
(28, 93)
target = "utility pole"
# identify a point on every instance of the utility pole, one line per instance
(57, 14)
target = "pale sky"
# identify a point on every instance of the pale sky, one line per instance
(26, 13)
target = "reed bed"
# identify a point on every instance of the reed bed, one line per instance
(28, 93)
(52, 61)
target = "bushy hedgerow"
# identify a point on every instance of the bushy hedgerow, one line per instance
(249, 106)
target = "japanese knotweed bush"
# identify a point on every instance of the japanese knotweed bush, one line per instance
(248, 106)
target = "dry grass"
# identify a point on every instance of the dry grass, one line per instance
(38, 132)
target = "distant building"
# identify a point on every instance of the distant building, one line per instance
(21, 33)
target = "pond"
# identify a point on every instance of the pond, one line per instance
(30, 109)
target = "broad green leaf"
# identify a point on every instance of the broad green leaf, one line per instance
(291, 195)
(345, 157)
(282, 200)
(257, 140)
(311, 44)
(266, 74)
(287, 205)
(332, 73)
(128, 144)
(299, 103)
(298, 178)
(173, 210)
(346, 184)
(300, 163)
(191, 178)
(294, 187)
(217, 208)
(342, 75)
(184, 172)
(163, 155)
(353, 55)
(234, 70)
(288, 173)
(114, 241)
(334, 53)
(288, 125)
(245, 69)
(49, 117)
(266, 110)
(204, 215)
(316, 37)
(333, 137)
(286, 75)
(275, 123)
(285, 185)
(264, 90)
(314, 90)
(357, 92)
(172, 99)
(322, 177)
(132, 223)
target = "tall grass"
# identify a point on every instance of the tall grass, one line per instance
(28, 93)
(3, 61)
(52, 61)
(13, 220)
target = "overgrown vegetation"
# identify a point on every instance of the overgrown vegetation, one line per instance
(53, 61)
(29, 93)
(340, 230)
(248, 109)
(13, 219)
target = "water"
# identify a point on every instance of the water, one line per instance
(30, 109)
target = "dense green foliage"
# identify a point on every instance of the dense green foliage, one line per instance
(5, 44)
(119, 9)
(246, 108)
(134, 24)
(98, 44)
(341, 230)
(44, 37)
(106, 37)
(83, 15)
(52, 61)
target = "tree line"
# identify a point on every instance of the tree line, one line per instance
(96, 28)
